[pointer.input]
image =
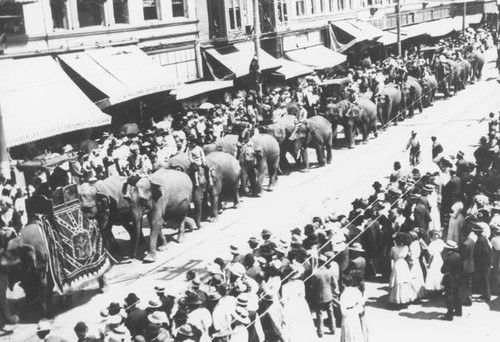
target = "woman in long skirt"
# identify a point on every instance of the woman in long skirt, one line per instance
(434, 279)
(352, 305)
(298, 318)
(417, 276)
(400, 290)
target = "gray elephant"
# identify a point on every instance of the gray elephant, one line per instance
(335, 113)
(364, 114)
(315, 132)
(104, 202)
(465, 71)
(412, 96)
(281, 130)
(228, 144)
(388, 102)
(429, 87)
(226, 173)
(164, 196)
(476, 59)
(260, 156)
(448, 75)
(181, 162)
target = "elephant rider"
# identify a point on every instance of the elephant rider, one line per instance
(137, 163)
(197, 158)
(302, 112)
(414, 146)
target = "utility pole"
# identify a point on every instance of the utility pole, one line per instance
(463, 19)
(256, 32)
(398, 25)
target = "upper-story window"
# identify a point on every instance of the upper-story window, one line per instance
(234, 11)
(178, 8)
(282, 10)
(300, 8)
(11, 18)
(59, 12)
(340, 5)
(120, 9)
(313, 6)
(331, 5)
(90, 13)
(216, 18)
(151, 9)
(321, 6)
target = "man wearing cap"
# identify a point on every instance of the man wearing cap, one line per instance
(166, 300)
(461, 164)
(236, 256)
(466, 251)
(452, 269)
(137, 319)
(482, 261)
(414, 146)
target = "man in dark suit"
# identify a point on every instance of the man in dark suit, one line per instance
(322, 289)
(482, 263)
(467, 253)
(436, 147)
(371, 241)
(452, 269)
(137, 319)
(452, 192)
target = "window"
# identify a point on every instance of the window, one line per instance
(90, 13)
(178, 9)
(331, 4)
(234, 14)
(216, 18)
(120, 9)
(150, 8)
(282, 11)
(59, 14)
(300, 8)
(181, 63)
(313, 6)
(11, 18)
(340, 5)
(321, 6)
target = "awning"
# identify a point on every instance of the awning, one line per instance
(236, 59)
(291, 69)
(436, 28)
(317, 57)
(390, 38)
(490, 7)
(186, 91)
(121, 73)
(355, 31)
(38, 100)
(22, 2)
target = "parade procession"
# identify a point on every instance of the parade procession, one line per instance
(249, 171)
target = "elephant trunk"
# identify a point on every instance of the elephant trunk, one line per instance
(4, 306)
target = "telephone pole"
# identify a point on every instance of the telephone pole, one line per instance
(463, 19)
(256, 32)
(398, 24)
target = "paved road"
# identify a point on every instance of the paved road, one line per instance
(458, 122)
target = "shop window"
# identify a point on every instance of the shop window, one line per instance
(120, 9)
(150, 8)
(282, 11)
(90, 13)
(11, 18)
(216, 17)
(300, 8)
(59, 12)
(234, 9)
(178, 8)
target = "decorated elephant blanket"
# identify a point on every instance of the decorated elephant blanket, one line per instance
(76, 251)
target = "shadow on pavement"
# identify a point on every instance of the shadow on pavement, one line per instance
(422, 315)
(495, 304)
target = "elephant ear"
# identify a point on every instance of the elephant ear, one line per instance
(156, 192)
(103, 208)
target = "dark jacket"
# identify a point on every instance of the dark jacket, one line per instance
(322, 286)
(58, 178)
(467, 253)
(137, 321)
(482, 254)
(452, 262)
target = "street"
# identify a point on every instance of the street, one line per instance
(458, 123)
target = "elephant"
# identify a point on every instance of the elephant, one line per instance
(281, 131)
(388, 104)
(447, 74)
(412, 96)
(181, 162)
(25, 259)
(227, 143)
(226, 173)
(476, 59)
(315, 132)
(164, 196)
(259, 156)
(104, 202)
(364, 114)
(335, 113)
(429, 87)
(465, 71)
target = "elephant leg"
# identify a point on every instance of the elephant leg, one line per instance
(236, 196)
(284, 164)
(137, 233)
(260, 175)
(320, 154)
(305, 158)
(103, 283)
(364, 131)
(198, 205)
(155, 222)
(420, 107)
(273, 174)
(46, 292)
(214, 203)
(328, 147)
(244, 180)
(349, 134)
(334, 135)
(181, 235)
(252, 178)
(4, 306)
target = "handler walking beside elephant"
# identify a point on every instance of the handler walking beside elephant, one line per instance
(414, 146)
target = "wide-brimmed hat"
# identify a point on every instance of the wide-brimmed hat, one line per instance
(213, 296)
(429, 188)
(356, 247)
(266, 232)
(376, 185)
(395, 191)
(254, 240)
(44, 325)
(192, 298)
(158, 317)
(234, 249)
(132, 299)
(237, 269)
(267, 249)
(114, 306)
(450, 244)
(241, 315)
(154, 303)
(186, 330)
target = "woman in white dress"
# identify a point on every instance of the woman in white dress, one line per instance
(400, 290)
(417, 276)
(434, 279)
(298, 318)
(432, 197)
(352, 305)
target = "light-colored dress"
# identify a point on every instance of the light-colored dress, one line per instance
(435, 215)
(457, 221)
(299, 321)
(434, 279)
(400, 290)
(417, 276)
(354, 327)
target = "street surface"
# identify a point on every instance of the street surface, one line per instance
(457, 122)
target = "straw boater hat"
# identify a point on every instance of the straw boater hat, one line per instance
(154, 303)
(158, 317)
(186, 330)
(238, 269)
(241, 314)
(115, 320)
(450, 244)
(234, 249)
(429, 187)
(356, 247)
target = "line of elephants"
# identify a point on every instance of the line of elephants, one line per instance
(166, 195)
